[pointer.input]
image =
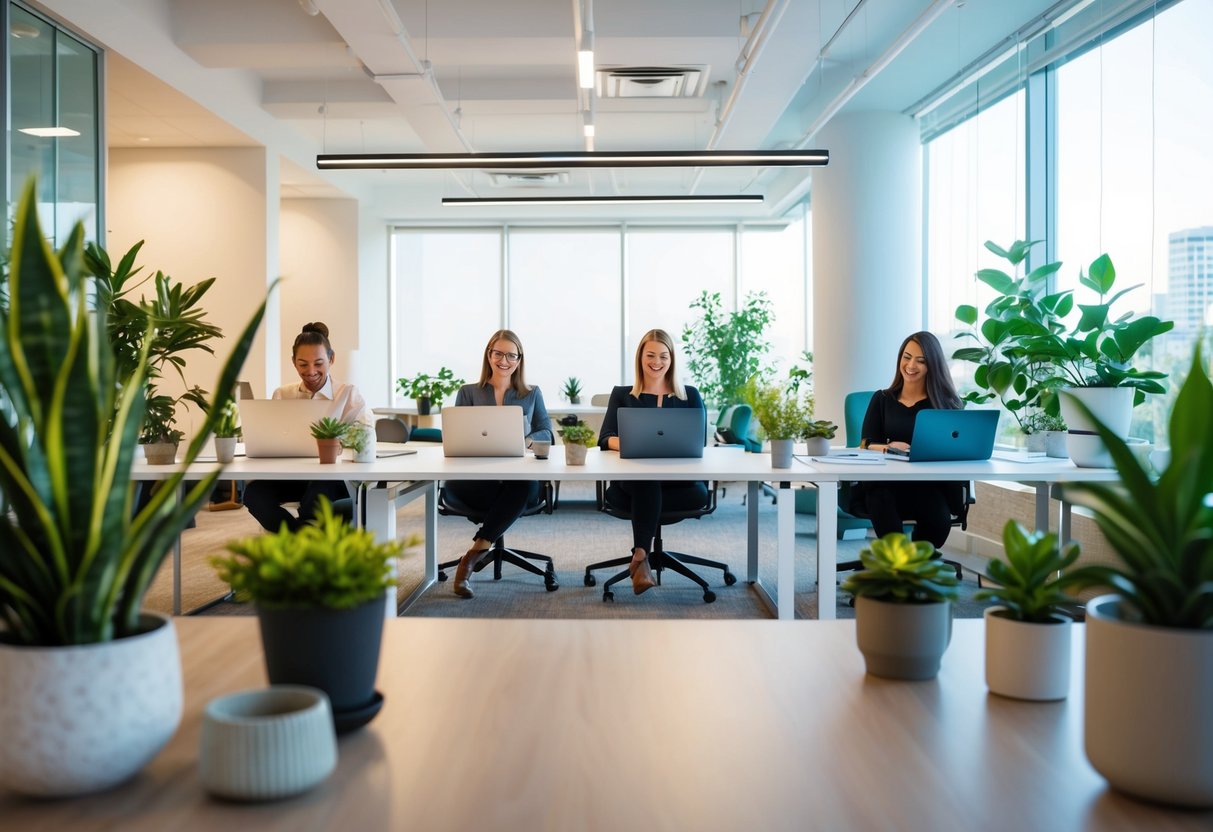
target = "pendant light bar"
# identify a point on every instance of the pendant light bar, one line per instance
(573, 159)
(708, 199)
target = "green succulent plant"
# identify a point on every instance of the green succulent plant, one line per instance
(572, 388)
(329, 427)
(576, 434)
(820, 429)
(1028, 582)
(898, 569)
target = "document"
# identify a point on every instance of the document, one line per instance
(852, 456)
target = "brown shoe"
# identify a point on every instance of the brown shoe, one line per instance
(463, 573)
(642, 576)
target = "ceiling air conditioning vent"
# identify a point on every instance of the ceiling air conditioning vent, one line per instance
(529, 178)
(651, 81)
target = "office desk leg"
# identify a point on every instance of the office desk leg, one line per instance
(431, 546)
(786, 523)
(753, 488)
(1042, 506)
(827, 550)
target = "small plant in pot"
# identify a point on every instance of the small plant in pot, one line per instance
(360, 438)
(227, 432)
(903, 615)
(572, 389)
(817, 436)
(1148, 725)
(783, 412)
(1046, 433)
(429, 391)
(1027, 635)
(577, 437)
(328, 433)
(319, 593)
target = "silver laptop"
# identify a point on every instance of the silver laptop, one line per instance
(662, 432)
(282, 427)
(950, 435)
(473, 430)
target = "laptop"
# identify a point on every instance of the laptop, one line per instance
(471, 430)
(950, 435)
(662, 432)
(281, 427)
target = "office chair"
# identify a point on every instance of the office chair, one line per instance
(391, 430)
(499, 553)
(425, 435)
(733, 428)
(612, 502)
(600, 399)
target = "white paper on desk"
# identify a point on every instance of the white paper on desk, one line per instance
(1019, 456)
(858, 457)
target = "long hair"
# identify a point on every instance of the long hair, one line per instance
(941, 392)
(671, 373)
(517, 381)
(312, 334)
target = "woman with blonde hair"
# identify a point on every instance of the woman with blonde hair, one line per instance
(656, 385)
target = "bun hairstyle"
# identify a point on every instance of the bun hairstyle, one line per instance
(312, 334)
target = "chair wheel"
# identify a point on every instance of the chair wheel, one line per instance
(441, 575)
(589, 579)
(551, 586)
(607, 595)
(729, 579)
(708, 596)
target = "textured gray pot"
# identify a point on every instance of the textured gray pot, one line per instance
(1148, 712)
(902, 641)
(781, 453)
(817, 446)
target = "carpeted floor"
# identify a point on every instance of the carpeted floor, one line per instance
(574, 535)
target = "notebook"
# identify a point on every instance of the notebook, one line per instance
(662, 432)
(950, 435)
(281, 427)
(470, 430)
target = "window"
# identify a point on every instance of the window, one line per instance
(773, 261)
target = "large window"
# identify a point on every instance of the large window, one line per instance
(773, 260)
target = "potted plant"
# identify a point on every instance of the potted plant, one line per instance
(227, 432)
(817, 436)
(429, 391)
(1148, 724)
(328, 433)
(572, 389)
(1046, 433)
(1027, 636)
(360, 438)
(725, 349)
(784, 414)
(319, 594)
(102, 678)
(903, 615)
(577, 437)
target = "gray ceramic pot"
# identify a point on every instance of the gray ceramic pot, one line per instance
(902, 641)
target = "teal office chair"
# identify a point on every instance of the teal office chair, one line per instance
(734, 427)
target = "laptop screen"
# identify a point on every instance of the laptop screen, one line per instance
(662, 432)
(470, 430)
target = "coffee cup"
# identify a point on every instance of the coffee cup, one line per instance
(541, 448)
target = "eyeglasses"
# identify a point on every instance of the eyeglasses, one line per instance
(497, 355)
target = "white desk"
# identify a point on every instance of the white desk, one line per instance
(710, 726)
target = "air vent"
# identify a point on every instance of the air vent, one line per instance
(529, 178)
(651, 81)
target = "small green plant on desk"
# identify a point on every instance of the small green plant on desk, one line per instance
(429, 391)
(1029, 588)
(578, 433)
(329, 427)
(898, 569)
(572, 389)
(227, 425)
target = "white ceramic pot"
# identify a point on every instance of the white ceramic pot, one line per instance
(81, 719)
(1025, 660)
(817, 446)
(1111, 405)
(574, 453)
(225, 449)
(1148, 712)
(1055, 444)
(781, 453)
(902, 641)
(367, 454)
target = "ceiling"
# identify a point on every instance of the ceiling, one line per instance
(487, 75)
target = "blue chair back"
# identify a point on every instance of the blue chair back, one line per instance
(855, 407)
(733, 427)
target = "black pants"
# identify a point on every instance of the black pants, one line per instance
(929, 504)
(498, 503)
(646, 499)
(264, 499)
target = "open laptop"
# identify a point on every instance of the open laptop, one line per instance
(661, 432)
(470, 430)
(281, 427)
(950, 435)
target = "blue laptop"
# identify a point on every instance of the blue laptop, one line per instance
(662, 432)
(950, 436)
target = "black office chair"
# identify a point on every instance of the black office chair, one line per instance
(499, 553)
(391, 430)
(659, 558)
(960, 518)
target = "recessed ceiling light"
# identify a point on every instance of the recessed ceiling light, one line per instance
(49, 132)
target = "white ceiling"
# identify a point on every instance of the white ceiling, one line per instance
(353, 78)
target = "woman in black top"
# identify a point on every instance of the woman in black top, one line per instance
(922, 381)
(657, 385)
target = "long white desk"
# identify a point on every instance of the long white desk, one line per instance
(663, 725)
(418, 474)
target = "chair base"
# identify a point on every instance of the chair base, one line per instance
(660, 560)
(499, 553)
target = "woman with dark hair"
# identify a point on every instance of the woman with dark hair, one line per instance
(921, 382)
(502, 382)
(313, 357)
(657, 385)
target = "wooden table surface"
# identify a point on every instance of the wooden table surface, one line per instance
(653, 725)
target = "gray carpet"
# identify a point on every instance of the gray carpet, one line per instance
(576, 535)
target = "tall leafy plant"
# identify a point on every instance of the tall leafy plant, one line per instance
(77, 560)
(724, 349)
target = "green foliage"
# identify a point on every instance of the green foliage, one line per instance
(578, 433)
(77, 560)
(227, 421)
(434, 388)
(724, 349)
(783, 412)
(358, 437)
(572, 388)
(1162, 530)
(329, 427)
(896, 569)
(327, 563)
(820, 429)
(1039, 421)
(1028, 584)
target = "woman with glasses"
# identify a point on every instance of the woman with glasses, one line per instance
(656, 385)
(501, 383)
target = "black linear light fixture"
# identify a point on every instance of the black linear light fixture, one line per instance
(574, 159)
(706, 199)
